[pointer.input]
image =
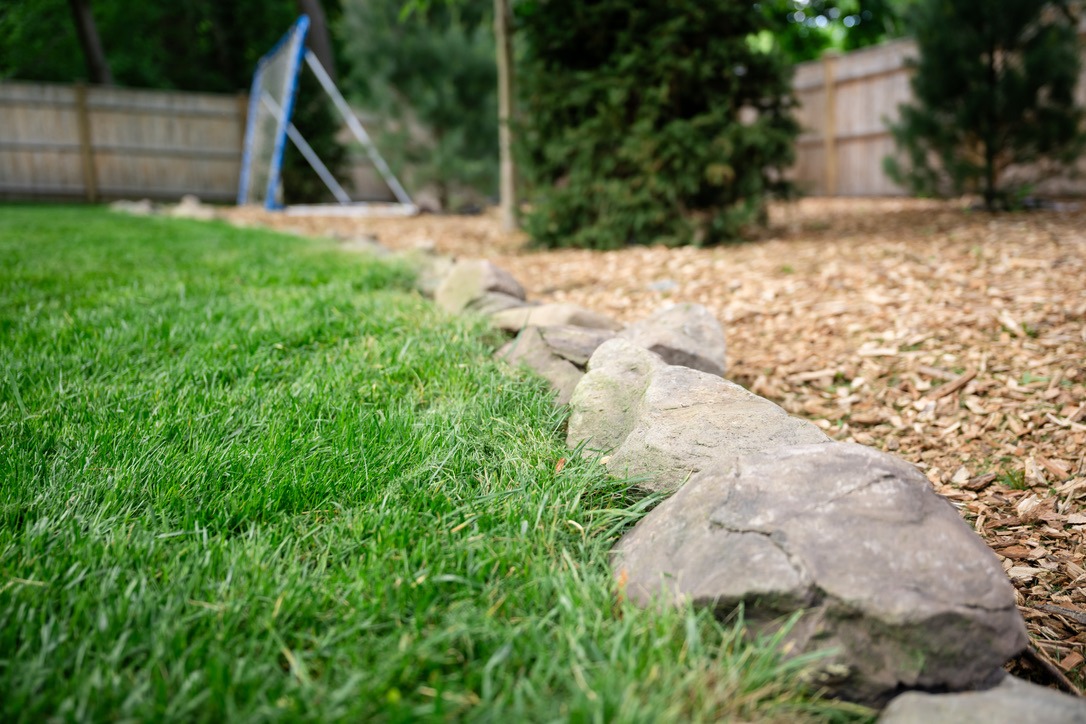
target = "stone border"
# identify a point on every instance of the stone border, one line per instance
(768, 513)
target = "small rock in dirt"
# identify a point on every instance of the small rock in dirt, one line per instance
(886, 572)
(191, 208)
(470, 280)
(663, 286)
(143, 207)
(552, 315)
(663, 422)
(682, 334)
(1013, 701)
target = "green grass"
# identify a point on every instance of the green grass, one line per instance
(245, 477)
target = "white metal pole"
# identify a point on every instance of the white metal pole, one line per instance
(356, 128)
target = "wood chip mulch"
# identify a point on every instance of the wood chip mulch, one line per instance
(952, 338)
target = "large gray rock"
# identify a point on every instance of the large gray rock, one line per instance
(888, 574)
(682, 334)
(1012, 702)
(661, 422)
(552, 315)
(470, 281)
(529, 349)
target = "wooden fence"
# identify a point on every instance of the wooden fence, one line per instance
(60, 141)
(846, 102)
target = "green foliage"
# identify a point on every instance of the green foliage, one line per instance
(994, 92)
(246, 477)
(807, 28)
(190, 45)
(195, 45)
(429, 77)
(634, 126)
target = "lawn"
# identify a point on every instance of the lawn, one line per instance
(247, 477)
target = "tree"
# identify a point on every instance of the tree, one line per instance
(654, 121)
(430, 77)
(87, 31)
(195, 45)
(807, 28)
(319, 39)
(994, 98)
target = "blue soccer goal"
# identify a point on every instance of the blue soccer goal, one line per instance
(268, 127)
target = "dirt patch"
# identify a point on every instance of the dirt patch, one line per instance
(955, 339)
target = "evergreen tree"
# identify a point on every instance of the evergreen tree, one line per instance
(650, 121)
(994, 94)
(429, 76)
(807, 28)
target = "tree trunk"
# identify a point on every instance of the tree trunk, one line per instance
(508, 190)
(97, 65)
(318, 40)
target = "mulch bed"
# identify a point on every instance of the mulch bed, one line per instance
(952, 338)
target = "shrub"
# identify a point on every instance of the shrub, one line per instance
(994, 93)
(650, 122)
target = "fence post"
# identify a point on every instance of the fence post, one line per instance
(86, 150)
(829, 123)
(243, 115)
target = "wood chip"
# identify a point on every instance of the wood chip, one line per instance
(980, 482)
(951, 387)
(829, 373)
(1061, 611)
(1072, 661)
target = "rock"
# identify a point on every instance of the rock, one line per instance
(576, 344)
(191, 208)
(665, 422)
(552, 315)
(1011, 702)
(682, 334)
(530, 350)
(143, 207)
(663, 286)
(494, 303)
(887, 572)
(430, 269)
(470, 280)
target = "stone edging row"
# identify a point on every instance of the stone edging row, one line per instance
(771, 514)
(767, 512)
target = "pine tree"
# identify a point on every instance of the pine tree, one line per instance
(994, 98)
(430, 77)
(650, 121)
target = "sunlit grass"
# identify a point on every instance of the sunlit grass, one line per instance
(244, 476)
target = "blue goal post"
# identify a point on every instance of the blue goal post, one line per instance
(268, 126)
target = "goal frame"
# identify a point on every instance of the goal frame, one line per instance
(262, 104)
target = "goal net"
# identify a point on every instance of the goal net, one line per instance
(268, 128)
